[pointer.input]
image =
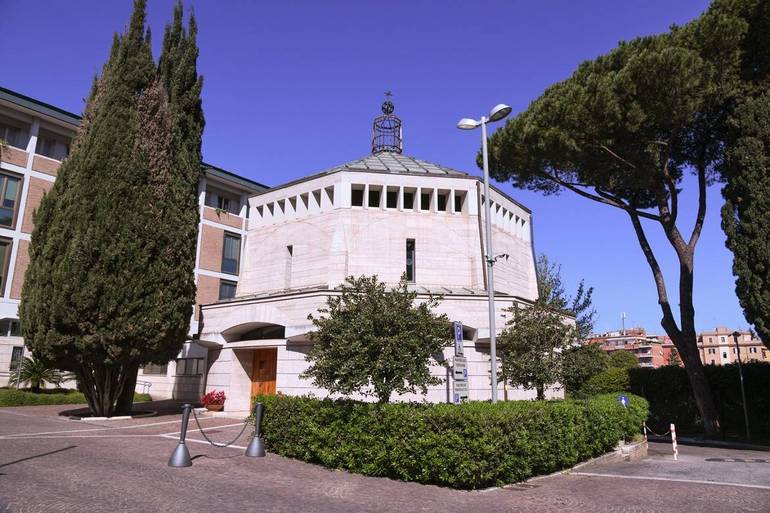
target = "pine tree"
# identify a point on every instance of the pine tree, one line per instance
(110, 281)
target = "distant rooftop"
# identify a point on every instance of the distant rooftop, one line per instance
(389, 162)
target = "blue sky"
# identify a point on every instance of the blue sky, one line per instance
(291, 88)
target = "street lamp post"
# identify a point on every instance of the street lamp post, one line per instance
(496, 114)
(736, 334)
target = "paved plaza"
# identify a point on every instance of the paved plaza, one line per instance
(52, 464)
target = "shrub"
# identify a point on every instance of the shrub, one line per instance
(671, 399)
(580, 363)
(13, 397)
(622, 359)
(469, 446)
(607, 382)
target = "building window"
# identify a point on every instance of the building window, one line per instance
(712, 350)
(391, 198)
(10, 328)
(712, 362)
(227, 289)
(231, 253)
(374, 197)
(52, 146)
(459, 199)
(410, 260)
(722, 339)
(189, 367)
(10, 187)
(408, 200)
(724, 354)
(154, 368)
(17, 353)
(425, 200)
(226, 201)
(5, 257)
(441, 201)
(13, 133)
(357, 196)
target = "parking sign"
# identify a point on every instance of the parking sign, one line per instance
(458, 329)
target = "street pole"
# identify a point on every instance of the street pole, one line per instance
(18, 368)
(490, 257)
(743, 391)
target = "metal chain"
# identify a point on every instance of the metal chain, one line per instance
(215, 444)
(654, 433)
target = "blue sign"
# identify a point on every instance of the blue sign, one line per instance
(623, 400)
(458, 329)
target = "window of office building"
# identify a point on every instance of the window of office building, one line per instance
(227, 289)
(155, 369)
(357, 196)
(189, 367)
(10, 328)
(231, 253)
(410, 260)
(5, 257)
(52, 145)
(16, 355)
(227, 201)
(10, 188)
(14, 133)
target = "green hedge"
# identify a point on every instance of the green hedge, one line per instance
(13, 397)
(473, 445)
(606, 382)
(671, 400)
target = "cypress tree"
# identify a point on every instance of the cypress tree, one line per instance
(110, 281)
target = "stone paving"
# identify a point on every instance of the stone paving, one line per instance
(48, 463)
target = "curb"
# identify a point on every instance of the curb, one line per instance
(716, 444)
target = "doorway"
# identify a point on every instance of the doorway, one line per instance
(263, 371)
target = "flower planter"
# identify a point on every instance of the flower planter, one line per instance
(215, 407)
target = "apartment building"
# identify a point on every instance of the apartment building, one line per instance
(649, 350)
(718, 347)
(36, 139)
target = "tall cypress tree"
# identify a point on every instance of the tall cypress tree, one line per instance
(110, 281)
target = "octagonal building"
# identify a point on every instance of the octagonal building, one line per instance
(386, 214)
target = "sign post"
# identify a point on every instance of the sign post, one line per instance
(459, 367)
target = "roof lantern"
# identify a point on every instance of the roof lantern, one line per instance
(386, 129)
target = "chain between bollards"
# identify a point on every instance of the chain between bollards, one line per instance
(256, 448)
(181, 455)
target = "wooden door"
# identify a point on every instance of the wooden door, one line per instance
(263, 371)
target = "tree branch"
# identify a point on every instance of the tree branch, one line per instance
(701, 216)
(617, 156)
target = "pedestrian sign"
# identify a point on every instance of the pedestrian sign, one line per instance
(623, 400)
(460, 367)
(458, 330)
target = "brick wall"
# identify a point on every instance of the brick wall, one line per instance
(212, 240)
(208, 292)
(22, 261)
(37, 188)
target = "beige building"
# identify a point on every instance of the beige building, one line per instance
(37, 138)
(718, 347)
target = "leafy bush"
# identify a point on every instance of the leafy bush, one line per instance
(472, 445)
(580, 363)
(13, 397)
(622, 359)
(607, 382)
(671, 399)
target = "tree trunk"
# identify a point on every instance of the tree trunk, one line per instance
(688, 352)
(125, 401)
(540, 392)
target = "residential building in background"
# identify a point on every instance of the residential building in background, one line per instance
(647, 349)
(36, 139)
(718, 347)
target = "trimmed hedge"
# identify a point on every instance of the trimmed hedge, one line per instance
(13, 397)
(468, 446)
(671, 400)
(606, 382)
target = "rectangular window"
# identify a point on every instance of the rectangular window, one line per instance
(459, 198)
(374, 197)
(14, 133)
(10, 187)
(227, 289)
(154, 368)
(227, 201)
(442, 201)
(5, 257)
(10, 328)
(52, 145)
(408, 200)
(410, 260)
(425, 201)
(391, 200)
(724, 354)
(357, 196)
(16, 356)
(189, 366)
(231, 253)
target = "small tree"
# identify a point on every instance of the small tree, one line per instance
(35, 373)
(623, 360)
(551, 290)
(531, 347)
(673, 358)
(376, 341)
(581, 363)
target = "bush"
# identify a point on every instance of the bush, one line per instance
(469, 446)
(13, 397)
(622, 359)
(580, 363)
(607, 382)
(671, 399)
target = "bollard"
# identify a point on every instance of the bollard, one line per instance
(256, 448)
(644, 425)
(673, 442)
(181, 455)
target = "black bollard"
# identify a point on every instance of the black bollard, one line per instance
(181, 455)
(256, 448)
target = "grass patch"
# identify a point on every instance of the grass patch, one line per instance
(13, 397)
